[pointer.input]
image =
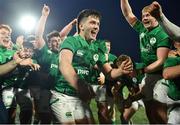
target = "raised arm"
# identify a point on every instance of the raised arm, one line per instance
(171, 29)
(66, 30)
(127, 12)
(41, 26)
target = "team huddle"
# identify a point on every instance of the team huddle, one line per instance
(53, 80)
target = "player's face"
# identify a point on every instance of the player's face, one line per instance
(35, 45)
(90, 28)
(148, 21)
(26, 53)
(5, 38)
(54, 43)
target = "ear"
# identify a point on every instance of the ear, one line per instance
(81, 27)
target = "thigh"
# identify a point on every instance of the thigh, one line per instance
(69, 109)
(174, 116)
(23, 98)
(100, 91)
(149, 82)
(160, 91)
(44, 101)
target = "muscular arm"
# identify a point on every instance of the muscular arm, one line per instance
(41, 26)
(66, 30)
(162, 54)
(113, 73)
(66, 68)
(171, 29)
(127, 12)
(171, 72)
(8, 67)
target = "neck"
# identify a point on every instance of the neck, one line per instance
(83, 36)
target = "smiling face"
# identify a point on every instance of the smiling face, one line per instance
(148, 21)
(89, 28)
(54, 43)
(5, 38)
(26, 53)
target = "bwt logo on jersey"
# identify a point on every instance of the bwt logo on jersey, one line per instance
(84, 72)
(54, 66)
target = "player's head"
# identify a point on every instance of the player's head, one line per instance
(53, 41)
(88, 22)
(148, 20)
(32, 39)
(5, 35)
(28, 48)
(108, 45)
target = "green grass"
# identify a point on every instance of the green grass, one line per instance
(138, 118)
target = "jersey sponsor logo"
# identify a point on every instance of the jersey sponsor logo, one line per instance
(54, 66)
(80, 53)
(84, 72)
(96, 57)
(147, 49)
(152, 40)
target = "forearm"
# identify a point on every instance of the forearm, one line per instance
(155, 66)
(172, 30)
(40, 31)
(8, 67)
(127, 12)
(66, 30)
(171, 72)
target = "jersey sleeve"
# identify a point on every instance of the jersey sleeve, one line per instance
(172, 61)
(139, 27)
(102, 53)
(69, 43)
(164, 40)
(44, 55)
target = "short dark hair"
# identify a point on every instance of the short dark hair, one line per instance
(28, 42)
(52, 34)
(107, 41)
(86, 13)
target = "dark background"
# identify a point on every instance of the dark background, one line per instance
(113, 26)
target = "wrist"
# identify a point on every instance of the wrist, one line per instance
(17, 61)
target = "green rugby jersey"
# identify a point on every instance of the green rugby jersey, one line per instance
(48, 60)
(85, 56)
(17, 76)
(95, 72)
(150, 41)
(111, 58)
(174, 86)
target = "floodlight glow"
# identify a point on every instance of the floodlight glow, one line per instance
(27, 23)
